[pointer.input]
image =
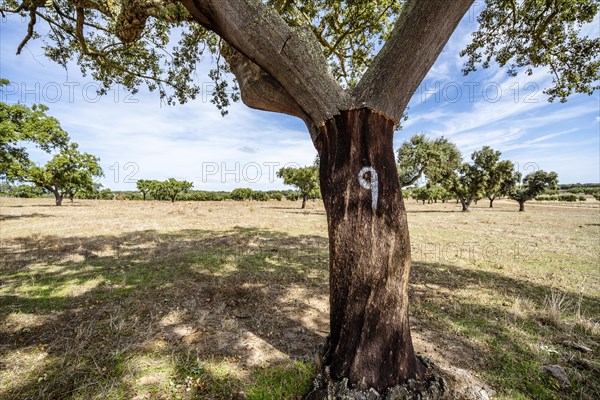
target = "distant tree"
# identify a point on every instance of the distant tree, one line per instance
(106, 194)
(28, 191)
(533, 185)
(292, 195)
(90, 193)
(68, 172)
(420, 156)
(276, 195)
(144, 186)
(260, 196)
(305, 179)
(499, 176)
(596, 195)
(20, 125)
(439, 193)
(466, 184)
(421, 194)
(169, 189)
(241, 194)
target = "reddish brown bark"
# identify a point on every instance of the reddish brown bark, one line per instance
(369, 253)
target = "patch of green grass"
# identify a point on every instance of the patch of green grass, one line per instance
(516, 329)
(282, 383)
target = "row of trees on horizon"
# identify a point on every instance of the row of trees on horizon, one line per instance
(447, 176)
(70, 173)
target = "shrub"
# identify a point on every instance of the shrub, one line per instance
(133, 196)
(568, 198)
(27, 191)
(292, 195)
(241, 194)
(260, 196)
(276, 196)
(106, 194)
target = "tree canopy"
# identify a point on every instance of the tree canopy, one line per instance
(159, 43)
(20, 124)
(420, 156)
(532, 33)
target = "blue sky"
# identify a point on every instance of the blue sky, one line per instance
(138, 138)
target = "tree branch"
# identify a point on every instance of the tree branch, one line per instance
(420, 34)
(414, 178)
(292, 57)
(30, 31)
(259, 90)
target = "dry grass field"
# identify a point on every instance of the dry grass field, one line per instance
(227, 300)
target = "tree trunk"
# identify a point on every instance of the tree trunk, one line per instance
(491, 201)
(58, 198)
(521, 206)
(465, 205)
(304, 198)
(369, 252)
(144, 196)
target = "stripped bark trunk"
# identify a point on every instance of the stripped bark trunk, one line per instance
(369, 252)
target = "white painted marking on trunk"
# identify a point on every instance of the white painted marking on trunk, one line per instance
(373, 185)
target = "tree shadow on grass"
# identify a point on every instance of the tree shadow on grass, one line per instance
(432, 211)
(220, 315)
(65, 204)
(504, 328)
(34, 215)
(191, 313)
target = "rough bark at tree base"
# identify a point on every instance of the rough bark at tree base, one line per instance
(432, 387)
